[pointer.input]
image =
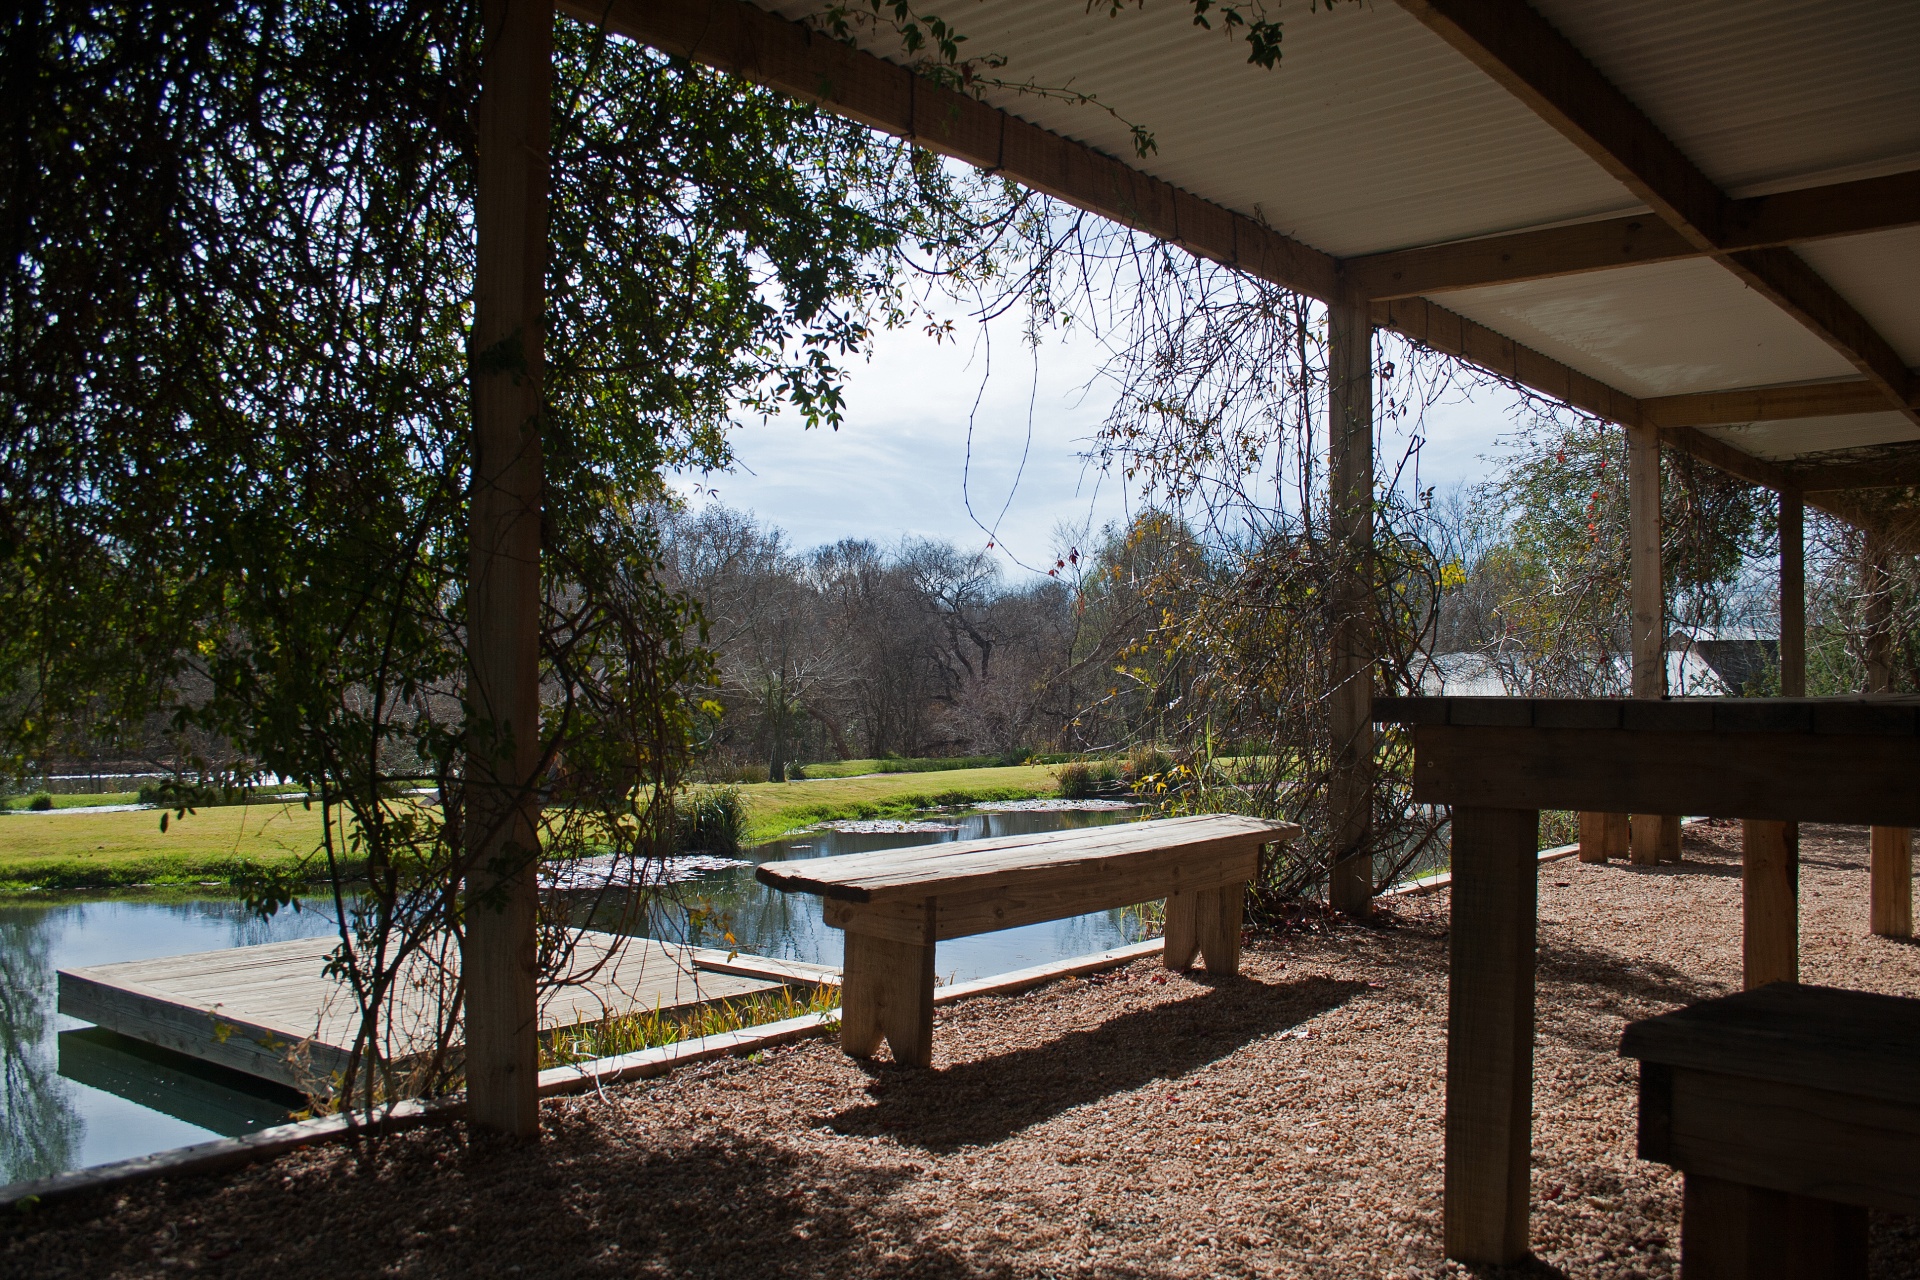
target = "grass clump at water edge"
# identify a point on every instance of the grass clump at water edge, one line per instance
(652, 1028)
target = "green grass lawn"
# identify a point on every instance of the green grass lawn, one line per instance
(74, 801)
(775, 808)
(118, 850)
(110, 850)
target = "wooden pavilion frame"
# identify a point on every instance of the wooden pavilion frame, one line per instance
(1688, 218)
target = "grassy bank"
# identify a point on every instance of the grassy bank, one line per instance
(56, 851)
(118, 850)
(775, 808)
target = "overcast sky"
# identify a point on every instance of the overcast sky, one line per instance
(915, 448)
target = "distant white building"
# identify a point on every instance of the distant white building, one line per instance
(1700, 664)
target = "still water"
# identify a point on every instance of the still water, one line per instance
(74, 1095)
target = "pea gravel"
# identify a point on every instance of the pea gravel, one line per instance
(1136, 1123)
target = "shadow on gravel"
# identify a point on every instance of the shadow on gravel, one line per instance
(992, 1099)
(1622, 975)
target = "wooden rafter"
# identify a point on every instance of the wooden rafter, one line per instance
(1765, 404)
(1764, 222)
(1523, 53)
(1892, 468)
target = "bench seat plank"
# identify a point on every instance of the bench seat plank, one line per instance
(959, 865)
(895, 904)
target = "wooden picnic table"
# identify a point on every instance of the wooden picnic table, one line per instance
(896, 904)
(1791, 1110)
(1499, 761)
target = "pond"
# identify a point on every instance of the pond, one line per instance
(74, 1095)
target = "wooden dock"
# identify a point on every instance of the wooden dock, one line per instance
(271, 1010)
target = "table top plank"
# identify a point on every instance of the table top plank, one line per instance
(1849, 1042)
(1878, 715)
(956, 864)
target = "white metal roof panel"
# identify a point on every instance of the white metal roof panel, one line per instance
(1764, 95)
(1880, 275)
(1666, 329)
(1784, 440)
(1371, 134)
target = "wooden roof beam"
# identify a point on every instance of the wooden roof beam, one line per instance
(1891, 469)
(1764, 222)
(1765, 404)
(1522, 52)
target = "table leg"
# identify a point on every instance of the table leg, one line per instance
(1603, 836)
(1182, 929)
(1770, 901)
(1890, 901)
(1490, 1033)
(1218, 913)
(1730, 1231)
(887, 991)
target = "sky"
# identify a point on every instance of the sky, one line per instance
(976, 440)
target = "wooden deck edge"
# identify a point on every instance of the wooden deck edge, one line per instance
(1414, 888)
(224, 1153)
(1020, 979)
(742, 965)
(232, 1153)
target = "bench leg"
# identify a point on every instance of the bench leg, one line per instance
(1730, 1231)
(1217, 917)
(1182, 930)
(887, 991)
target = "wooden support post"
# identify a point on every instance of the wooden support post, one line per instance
(1490, 1033)
(887, 992)
(1603, 836)
(1890, 849)
(1793, 596)
(1655, 839)
(1770, 901)
(498, 954)
(1350, 428)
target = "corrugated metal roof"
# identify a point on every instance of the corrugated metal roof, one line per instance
(1666, 329)
(1761, 95)
(1801, 436)
(1373, 134)
(1880, 275)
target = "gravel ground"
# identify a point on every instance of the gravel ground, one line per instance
(1285, 1123)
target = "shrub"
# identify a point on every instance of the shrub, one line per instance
(1090, 780)
(710, 821)
(40, 803)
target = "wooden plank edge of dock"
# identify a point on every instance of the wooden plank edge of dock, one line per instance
(231, 1153)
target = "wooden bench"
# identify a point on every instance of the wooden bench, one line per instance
(895, 904)
(1791, 1110)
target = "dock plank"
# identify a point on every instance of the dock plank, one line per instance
(271, 1010)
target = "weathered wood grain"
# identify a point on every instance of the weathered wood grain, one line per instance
(1770, 902)
(1490, 1033)
(1890, 897)
(271, 1011)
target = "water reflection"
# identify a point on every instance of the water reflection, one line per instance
(789, 926)
(73, 1095)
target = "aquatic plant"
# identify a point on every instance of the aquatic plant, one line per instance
(652, 1028)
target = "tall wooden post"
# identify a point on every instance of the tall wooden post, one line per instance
(1350, 430)
(1793, 595)
(1490, 944)
(1655, 838)
(1890, 849)
(503, 592)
